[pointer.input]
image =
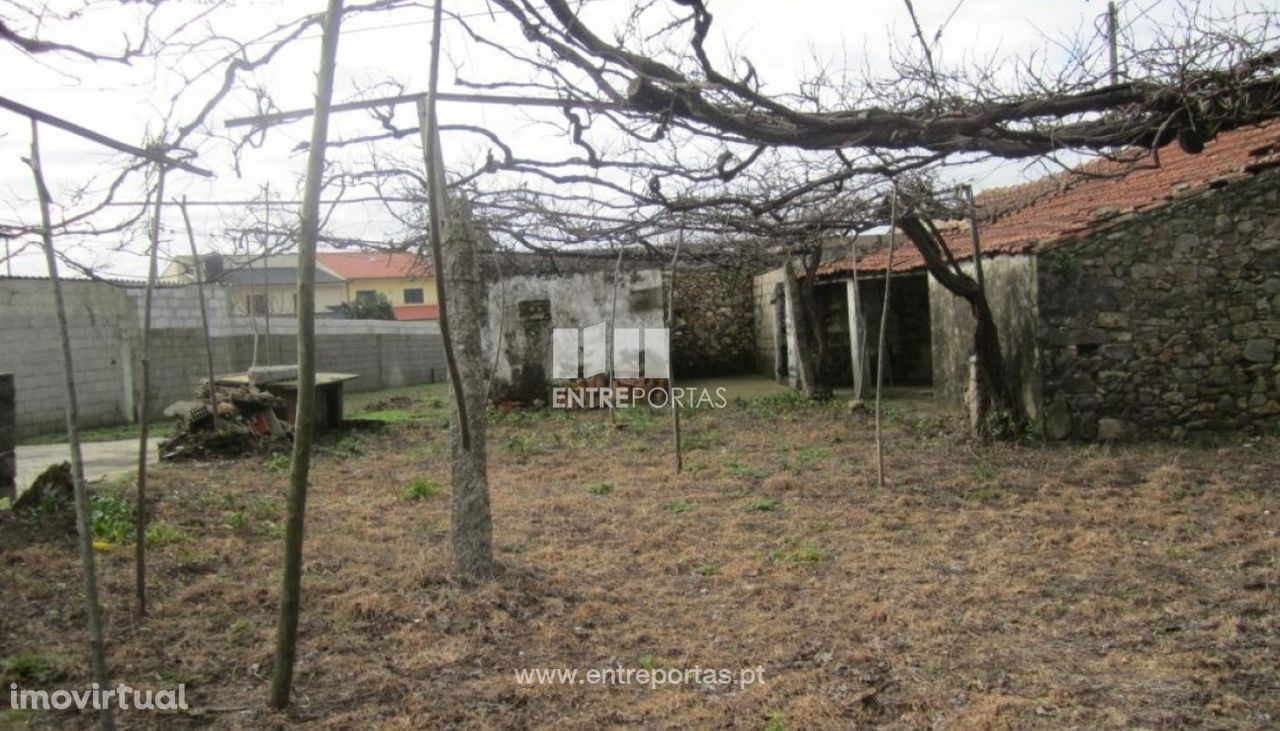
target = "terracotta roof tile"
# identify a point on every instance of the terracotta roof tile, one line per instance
(1066, 207)
(374, 264)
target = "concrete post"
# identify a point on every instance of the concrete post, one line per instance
(857, 339)
(8, 436)
(793, 343)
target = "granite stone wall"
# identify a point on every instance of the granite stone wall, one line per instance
(1166, 322)
(713, 333)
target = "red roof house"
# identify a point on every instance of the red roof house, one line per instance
(406, 280)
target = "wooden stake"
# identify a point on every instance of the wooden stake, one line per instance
(884, 320)
(671, 369)
(300, 465)
(613, 313)
(437, 205)
(144, 404)
(84, 536)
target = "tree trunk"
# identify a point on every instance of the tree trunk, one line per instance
(462, 316)
(815, 326)
(472, 522)
(300, 466)
(800, 326)
(1000, 412)
(84, 536)
(144, 406)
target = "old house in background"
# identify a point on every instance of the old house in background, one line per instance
(259, 285)
(1137, 298)
(405, 280)
(268, 285)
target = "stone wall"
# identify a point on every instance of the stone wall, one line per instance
(105, 326)
(1167, 322)
(712, 334)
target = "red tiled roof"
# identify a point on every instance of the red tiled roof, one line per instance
(417, 312)
(374, 264)
(1056, 210)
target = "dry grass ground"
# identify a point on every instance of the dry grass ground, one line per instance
(1002, 587)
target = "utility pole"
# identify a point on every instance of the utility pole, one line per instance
(1112, 33)
(966, 190)
(266, 270)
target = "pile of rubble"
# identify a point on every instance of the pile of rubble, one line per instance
(240, 419)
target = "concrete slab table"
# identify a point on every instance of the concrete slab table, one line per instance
(329, 388)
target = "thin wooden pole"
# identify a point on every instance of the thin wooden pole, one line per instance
(144, 404)
(300, 464)
(613, 314)
(671, 370)
(84, 536)
(35, 115)
(858, 338)
(884, 321)
(204, 311)
(437, 205)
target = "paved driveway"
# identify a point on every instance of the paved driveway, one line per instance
(102, 460)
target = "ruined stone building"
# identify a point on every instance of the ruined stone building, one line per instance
(1135, 299)
(530, 295)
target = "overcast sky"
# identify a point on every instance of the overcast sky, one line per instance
(131, 103)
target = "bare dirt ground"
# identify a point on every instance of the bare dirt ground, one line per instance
(987, 587)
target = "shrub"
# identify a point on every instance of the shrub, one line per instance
(803, 553)
(112, 517)
(278, 462)
(421, 489)
(31, 667)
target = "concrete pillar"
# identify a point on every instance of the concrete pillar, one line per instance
(8, 436)
(857, 338)
(793, 344)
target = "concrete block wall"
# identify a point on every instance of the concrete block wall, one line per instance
(98, 318)
(105, 324)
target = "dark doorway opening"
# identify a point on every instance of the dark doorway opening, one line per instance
(908, 342)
